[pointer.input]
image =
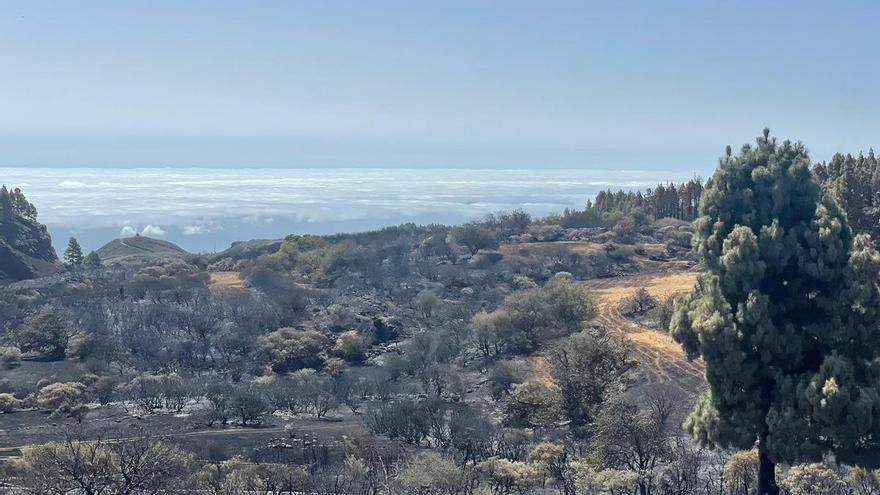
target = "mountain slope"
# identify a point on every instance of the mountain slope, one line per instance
(139, 248)
(25, 245)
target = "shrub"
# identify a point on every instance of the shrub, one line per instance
(352, 346)
(247, 404)
(45, 334)
(507, 476)
(585, 368)
(10, 357)
(288, 349)
(8, 403)
(81, 345)
(428, 473)
(741, 473)
(532, 404)
(502, 378)
(473, 237)
(427, 302)
(340, 316)
(807, 479)
(103, 390)
(146, 391)
(625, 230)
(401, 419)
(640, 302)
(665, 311)
(60, 395)
(527, 317)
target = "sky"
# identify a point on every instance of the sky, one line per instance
(449, 84)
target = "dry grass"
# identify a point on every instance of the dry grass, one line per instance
(655, 351)
(579, 247)
(227, 281)
(541, 370)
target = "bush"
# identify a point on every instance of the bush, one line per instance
(639, 303)
(146, 391)
(401, 419)
(625, 230)
(473, 237)
(288, 349)
(528, 317)
(8, 403)
(247, 404)
(59, 396)
(532, 404)
(429, 473)
(665, 311)
(103, 390)
(427, 302)
(741, 473)
(352, 346)
(502, 377)
(10, 357)
(45, 334)
(340, 317)
(807, 479)
(585, 368)
(82, 345)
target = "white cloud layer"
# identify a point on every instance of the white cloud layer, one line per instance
(153, 231)
(203, 202)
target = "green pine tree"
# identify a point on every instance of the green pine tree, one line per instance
(92, 260)
(73, 255)
(785, 316)
(6, 207)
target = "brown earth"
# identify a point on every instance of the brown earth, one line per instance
(227, 281)
(655, 351)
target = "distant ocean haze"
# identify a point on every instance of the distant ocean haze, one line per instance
(207, 209)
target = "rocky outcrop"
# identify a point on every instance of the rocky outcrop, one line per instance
(26, 250)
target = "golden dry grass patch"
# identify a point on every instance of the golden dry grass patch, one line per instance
(227, 281)
(654, 351)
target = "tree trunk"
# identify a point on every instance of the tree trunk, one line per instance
(766, 470)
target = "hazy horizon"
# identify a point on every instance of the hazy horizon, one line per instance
(207, 209)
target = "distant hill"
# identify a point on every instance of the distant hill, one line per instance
(25, 246)
(247, 249)
(139, 248)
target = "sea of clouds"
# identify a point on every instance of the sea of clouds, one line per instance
(207, 209)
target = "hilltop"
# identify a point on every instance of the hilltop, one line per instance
(139, 248)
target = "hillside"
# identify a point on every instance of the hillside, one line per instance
(139, 248)
(25, 245)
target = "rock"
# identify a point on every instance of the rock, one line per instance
(546, 233)
(26, 250)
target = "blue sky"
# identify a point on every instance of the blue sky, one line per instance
(639, 85)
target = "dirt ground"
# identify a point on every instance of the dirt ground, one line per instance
(228, 281)
(661, 357)
(278, 433)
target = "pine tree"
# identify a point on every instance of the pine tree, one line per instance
(785, 316)
(92, 260)
(73, 255)
(6, 208)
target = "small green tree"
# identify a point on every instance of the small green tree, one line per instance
(427, 302)
(45, 333)
(92, 260)
(73, 255)
(785, 316)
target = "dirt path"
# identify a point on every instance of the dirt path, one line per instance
(655, 351)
